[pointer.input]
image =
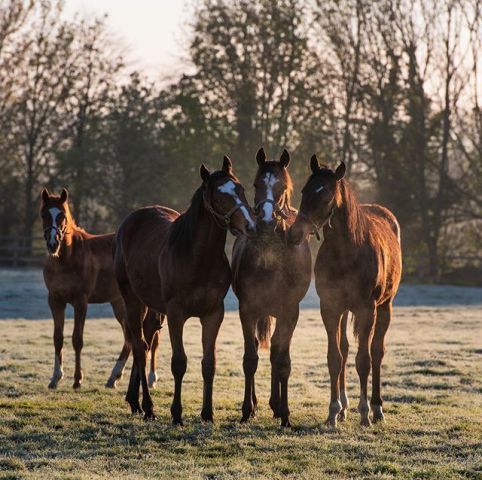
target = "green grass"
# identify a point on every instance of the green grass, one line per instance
(432, 388)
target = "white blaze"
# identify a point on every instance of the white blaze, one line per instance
(319, 189)
(230, 188)
(270, 181)
(53, 231)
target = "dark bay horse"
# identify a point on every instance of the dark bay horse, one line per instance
(176, 264)
(270, 277)
(79, 270)
(358, 269)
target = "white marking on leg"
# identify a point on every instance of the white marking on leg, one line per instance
(230, 188)
(53, 231)
(268, 208)
(153, 379)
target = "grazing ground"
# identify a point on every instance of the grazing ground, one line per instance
(433, 404)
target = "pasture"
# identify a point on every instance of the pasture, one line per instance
(432, 386)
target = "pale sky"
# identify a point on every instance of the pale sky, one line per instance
(152, 33)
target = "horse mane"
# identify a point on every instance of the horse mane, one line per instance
(181, 235)
(356, 220)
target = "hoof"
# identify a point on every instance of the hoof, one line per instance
(330, 422)
(365, 422)
(244, 419)
(178, 422)
(342, 416)
(53, 384)
(148, 417)
(207, 417)
(285, 423)
(378, 417)
(111, 383)
(76, 385)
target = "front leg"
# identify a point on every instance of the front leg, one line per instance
(80, 312)
(331, 315)
(210, 329)
(57, 307)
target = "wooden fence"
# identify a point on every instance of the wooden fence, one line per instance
(21, 251)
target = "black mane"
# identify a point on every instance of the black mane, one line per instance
(183, 229)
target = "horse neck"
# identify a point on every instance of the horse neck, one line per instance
(348, 222)
(209, 235)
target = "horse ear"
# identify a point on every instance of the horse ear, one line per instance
(45, 194)
(314, 165)
(340, 171)
(261, 156)
(227, 165)
(204, 172)
(64, 195)
(285, 158)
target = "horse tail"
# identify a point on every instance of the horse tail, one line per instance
(263, 331)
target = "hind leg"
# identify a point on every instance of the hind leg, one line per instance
(365, 320)
(210, 329)
(80, 312)
(152, 331)
(250, 363)
(331, 315)
(118, 308)
(58, 313)
(384, 314)
(344, 348)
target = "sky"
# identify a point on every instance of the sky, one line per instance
(152, 33)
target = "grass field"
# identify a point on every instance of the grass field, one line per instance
(432, 389)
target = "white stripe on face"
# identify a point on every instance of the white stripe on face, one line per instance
(53, 231)
(270, 181)
(230, 188)
(319, 189)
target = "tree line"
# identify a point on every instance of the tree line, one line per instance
(390, 87)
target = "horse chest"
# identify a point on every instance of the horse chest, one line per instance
(67, 282)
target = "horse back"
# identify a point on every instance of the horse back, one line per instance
(139, 242)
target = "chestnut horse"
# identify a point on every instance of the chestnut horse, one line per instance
(79, 271)
(270, 277)
(176, 264)
(358, 269)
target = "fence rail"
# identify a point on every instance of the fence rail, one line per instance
(22, 251)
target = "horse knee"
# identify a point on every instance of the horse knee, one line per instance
(377, 353)
(250, 364)
(179, 365)
(283, 365)
(77, 342)
(208, 368)
(363, 362)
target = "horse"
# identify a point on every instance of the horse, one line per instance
(79, 270)
(176, 264)
(270, 278)
(358, 269)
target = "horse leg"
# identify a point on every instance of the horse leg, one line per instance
(384, 314)
(281, 340)
(210, 329)
(344, 347)
(58, 313)
(250, 363)
(132, 396)
(152, 331)
(275, 397)
(175, 324)
(118, 308)
(80, 312)
(331, 316)
(364, 322)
